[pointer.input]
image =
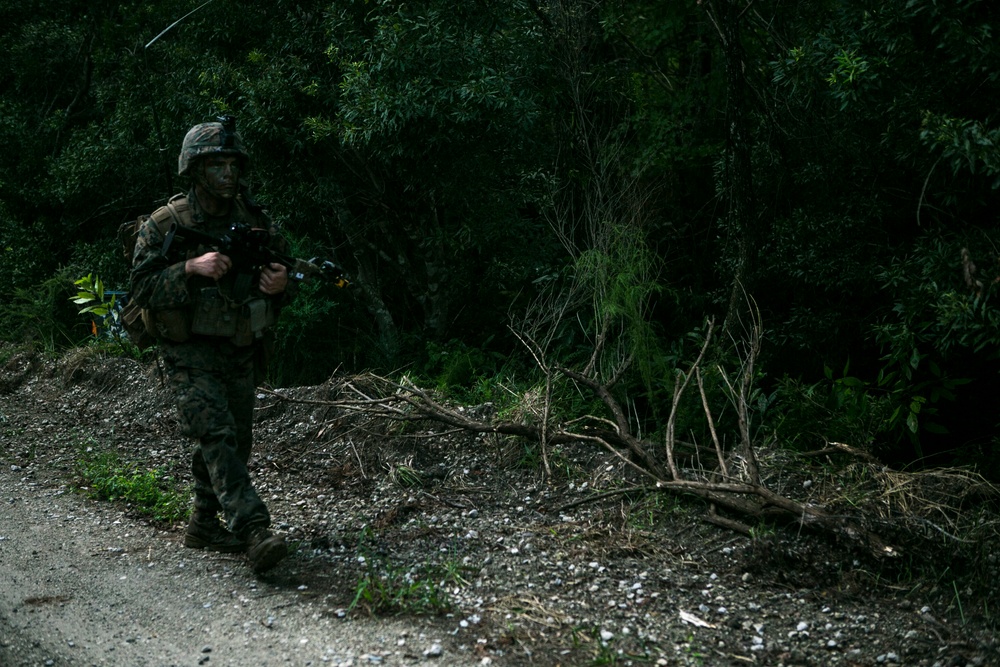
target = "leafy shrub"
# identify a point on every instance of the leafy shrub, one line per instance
(43, 314)
(310, 343)
(25, 254)
(462, 371)
(941, 335)
(836, 409)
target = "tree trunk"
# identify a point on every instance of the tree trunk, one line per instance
(742, 218)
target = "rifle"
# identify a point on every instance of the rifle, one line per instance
(248, 249)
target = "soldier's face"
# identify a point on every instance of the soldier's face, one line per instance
(222, 175)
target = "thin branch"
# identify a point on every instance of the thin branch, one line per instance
(538, 354)
(601, 496)
(617, 454)
(711, 424)
(620, 420)
(678, 391)
(543, 439)
(923, 190)
(723, 522)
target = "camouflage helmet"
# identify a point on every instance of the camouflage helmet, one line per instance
(218, 137)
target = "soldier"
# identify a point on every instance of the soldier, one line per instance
(210, 322)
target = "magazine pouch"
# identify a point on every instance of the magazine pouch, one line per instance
(213, 314)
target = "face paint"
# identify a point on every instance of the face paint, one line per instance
(220, 175)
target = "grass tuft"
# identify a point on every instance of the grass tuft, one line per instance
(385, 588)
(104, 476)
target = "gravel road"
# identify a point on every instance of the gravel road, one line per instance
(82, 584)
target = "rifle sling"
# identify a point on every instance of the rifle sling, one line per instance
(175, 215)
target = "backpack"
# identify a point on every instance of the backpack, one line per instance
(134, 319)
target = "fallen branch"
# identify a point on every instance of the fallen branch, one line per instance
(404, 401)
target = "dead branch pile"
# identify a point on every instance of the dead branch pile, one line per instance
(736, 490)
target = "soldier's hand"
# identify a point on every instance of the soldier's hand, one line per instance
(273, 279)
(212, 265)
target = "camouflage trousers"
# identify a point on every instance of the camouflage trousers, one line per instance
(213, 382)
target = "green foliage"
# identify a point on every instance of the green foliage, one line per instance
(465, 373)
(103, 475)
(406, 476)
(460, 159)
(411, 130)
(836, 409)
(102, 258)
(42, 314)
(311, 341)
(936, 321)
(813, 267)
(654, 510)
(24, 248)
(386, 588)
(528, 456)
(106, 326)
(965, 144)
(90, 298)
(852, 76)
(622, 277)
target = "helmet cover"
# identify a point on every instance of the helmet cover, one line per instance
(216, 138)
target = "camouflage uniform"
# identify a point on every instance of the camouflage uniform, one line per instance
(213, 377)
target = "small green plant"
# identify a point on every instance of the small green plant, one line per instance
(106, 326)
(406, 476)
(605, 652)
(762, 531)
(385, 588)
(94, 300)
(91, 299)
(452, 572)
(696, 656)
(650, 511)
(958, 601)
(530, 457)
(103, 475)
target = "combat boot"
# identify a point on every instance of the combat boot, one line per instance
(264, 549)
(204, 531)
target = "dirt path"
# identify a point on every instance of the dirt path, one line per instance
(83, 584)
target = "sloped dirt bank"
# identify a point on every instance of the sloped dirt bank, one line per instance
(463, 521)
